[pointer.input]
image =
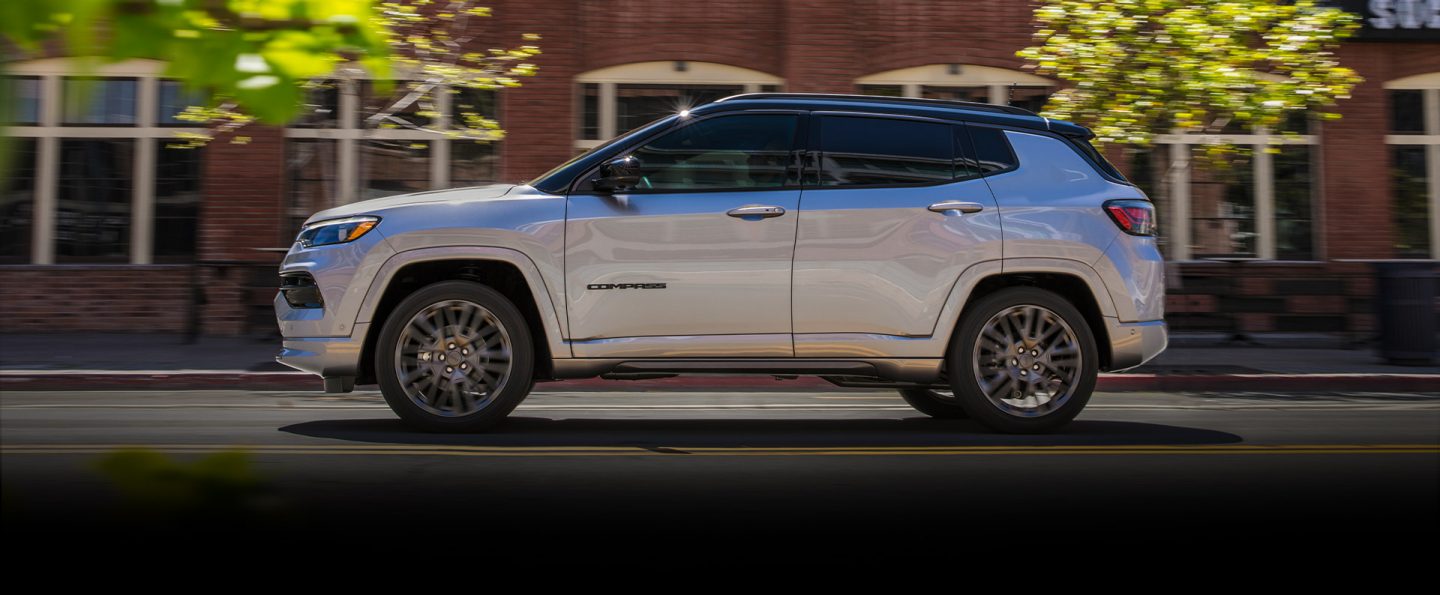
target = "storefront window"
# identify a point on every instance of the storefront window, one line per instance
(1294, 180)
(173, 99)
(472, 163)
(99, 102)
(973, 94)
(310, 170)
(177, 203)
(638, 105)
(1415, 165)
(1410, 208)
(390, 167)
(1222, 208)
(615, 100)
(22, 105)
(17, 202)
(94, 197)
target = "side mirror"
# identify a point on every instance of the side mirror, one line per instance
(618, 175)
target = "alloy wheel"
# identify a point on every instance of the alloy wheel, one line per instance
(453, 357)
(1027, 361)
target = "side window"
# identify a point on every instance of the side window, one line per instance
(749, 151)
(966, 165)
(992, 150)
(859, 151)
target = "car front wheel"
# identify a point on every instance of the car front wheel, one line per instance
(1023, 361)
(455, 356)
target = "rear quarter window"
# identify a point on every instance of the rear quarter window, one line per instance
(992, 151)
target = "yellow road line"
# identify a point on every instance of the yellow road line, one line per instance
(574, 451)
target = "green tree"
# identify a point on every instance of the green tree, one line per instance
(1137, 68)
(253, 59)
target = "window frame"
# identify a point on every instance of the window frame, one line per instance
(814, 152)
(1179, 178)
(138, 119)
(50, 130)
(350, 134)
(662, 72)
(582, 185)
(1429, 86)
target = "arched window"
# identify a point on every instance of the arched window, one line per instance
(963, 82)
(1414, 139)
(618, 99)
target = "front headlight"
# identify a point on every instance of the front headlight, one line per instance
(336, 231)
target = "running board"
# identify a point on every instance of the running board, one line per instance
(917, 371)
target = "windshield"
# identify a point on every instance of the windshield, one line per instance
(558, 178)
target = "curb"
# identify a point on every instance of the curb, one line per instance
(299, 381)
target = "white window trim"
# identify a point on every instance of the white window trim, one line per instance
(347, 149)
(1430, 86)
(659, 73)
(49, 131)
(1263, 171)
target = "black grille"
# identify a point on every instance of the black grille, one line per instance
(300, 290)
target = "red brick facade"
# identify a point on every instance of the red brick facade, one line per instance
(815, 46)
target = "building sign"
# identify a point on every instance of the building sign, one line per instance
(1395, 20)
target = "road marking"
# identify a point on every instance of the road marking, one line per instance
(1274, 406)
(574, 451)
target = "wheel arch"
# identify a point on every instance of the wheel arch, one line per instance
(1086, 294)
(507, 271)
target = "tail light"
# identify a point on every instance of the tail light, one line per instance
(1135, 217)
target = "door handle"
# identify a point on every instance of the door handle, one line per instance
(956, 205)
(753, 212)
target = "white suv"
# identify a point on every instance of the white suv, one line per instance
(981, 259)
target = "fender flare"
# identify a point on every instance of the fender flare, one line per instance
(550, 319)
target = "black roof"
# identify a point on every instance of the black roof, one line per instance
(933, 108)
(558, 179)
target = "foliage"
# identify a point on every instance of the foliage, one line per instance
(255, 59)
(220, 487)
(1145, 67)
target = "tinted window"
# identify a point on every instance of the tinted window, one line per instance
(992, 151)
(884, 152)
(966, 165)
(746, 151)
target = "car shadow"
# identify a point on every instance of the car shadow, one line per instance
(920, 431)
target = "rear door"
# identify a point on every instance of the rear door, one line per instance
(695, 260)
(898, 210)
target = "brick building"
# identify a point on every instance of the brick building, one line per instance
(107, 228)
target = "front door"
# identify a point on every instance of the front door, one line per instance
(898, 211)
(695, 260)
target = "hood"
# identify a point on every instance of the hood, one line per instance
(378, 205)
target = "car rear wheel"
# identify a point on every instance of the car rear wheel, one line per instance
(940, 404)
(455, 356)
(1023, 361)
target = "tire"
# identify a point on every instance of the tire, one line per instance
(1065, 364)
(450, 319)
(937, 404)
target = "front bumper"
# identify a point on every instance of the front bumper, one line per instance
(335, 359)
(1134, 343)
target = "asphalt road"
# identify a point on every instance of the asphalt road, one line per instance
(774, 468)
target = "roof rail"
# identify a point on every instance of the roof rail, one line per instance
(988, 107)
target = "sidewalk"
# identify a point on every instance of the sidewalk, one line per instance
(1192, 363)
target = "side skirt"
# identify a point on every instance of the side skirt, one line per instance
(920, 371)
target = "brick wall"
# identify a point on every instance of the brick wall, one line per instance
(93, 298)
(816, 46)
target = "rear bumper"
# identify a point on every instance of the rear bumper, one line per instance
(336, 359)
(1134, 343)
